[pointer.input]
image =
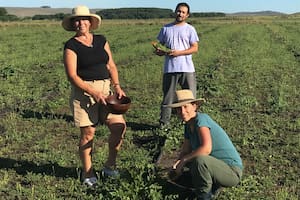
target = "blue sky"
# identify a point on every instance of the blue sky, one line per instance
(227, 6)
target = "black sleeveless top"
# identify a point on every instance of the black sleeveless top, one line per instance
(91, 61)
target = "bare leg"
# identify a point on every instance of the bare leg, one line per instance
(85, 150)
(117, 127)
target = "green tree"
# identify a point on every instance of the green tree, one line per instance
(3, 12)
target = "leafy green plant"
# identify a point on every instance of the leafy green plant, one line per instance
(247, 69)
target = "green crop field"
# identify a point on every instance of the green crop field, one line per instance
(248, 69)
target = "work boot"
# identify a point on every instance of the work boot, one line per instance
(205, 196)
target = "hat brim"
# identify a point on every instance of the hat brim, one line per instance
(68, 26)
(179, 104)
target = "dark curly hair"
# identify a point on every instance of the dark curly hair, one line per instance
(183, 4)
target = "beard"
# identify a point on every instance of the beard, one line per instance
(179, 19)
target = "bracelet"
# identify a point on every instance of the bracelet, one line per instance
(116, 84)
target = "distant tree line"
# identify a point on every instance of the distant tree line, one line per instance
(135, 13)
(120, 13)
(58, 16)
(208, 14)
(5, 17)
(3, 12)
(148, 13)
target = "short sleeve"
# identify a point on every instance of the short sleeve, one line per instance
(203, 120)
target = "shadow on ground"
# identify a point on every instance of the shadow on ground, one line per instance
(23, 167)
(153, 144)
(69, 118)
(43, 115)
(181, 187)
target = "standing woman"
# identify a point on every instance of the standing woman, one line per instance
(91, 70)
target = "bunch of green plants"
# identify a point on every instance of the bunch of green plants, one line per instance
(247, 69)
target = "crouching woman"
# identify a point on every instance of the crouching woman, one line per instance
(207, 151)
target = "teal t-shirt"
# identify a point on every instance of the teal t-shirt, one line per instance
(222, 147)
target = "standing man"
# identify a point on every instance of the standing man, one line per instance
(182, 39)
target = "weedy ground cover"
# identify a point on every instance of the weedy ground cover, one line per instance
(248, 69)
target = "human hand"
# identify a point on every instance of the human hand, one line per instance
(119, 92)
(159, 52)
(174, 53)
(99, 97)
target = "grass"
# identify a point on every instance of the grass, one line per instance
(247, 69)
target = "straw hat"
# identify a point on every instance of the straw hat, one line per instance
(80, 11)
(184, 97)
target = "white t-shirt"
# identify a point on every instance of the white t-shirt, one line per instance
(178, 37)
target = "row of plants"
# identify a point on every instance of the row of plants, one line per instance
(248, 75)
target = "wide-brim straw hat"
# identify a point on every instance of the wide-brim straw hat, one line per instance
(80, 11)
(184, 97)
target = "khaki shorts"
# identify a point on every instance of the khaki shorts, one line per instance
(85, 110)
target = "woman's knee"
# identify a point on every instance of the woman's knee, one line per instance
(199, 163)
(87, 133)
(201, 160)
(116, 125)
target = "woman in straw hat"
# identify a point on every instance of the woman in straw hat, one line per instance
(91, 70)
(207, 151)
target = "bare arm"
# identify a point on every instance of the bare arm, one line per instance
(185, 149)
(70, 63)
(204, 149)
(206, 145)
(193, 49)
(112, 68)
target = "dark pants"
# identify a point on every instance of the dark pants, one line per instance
(170, 82)
(208, 172)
